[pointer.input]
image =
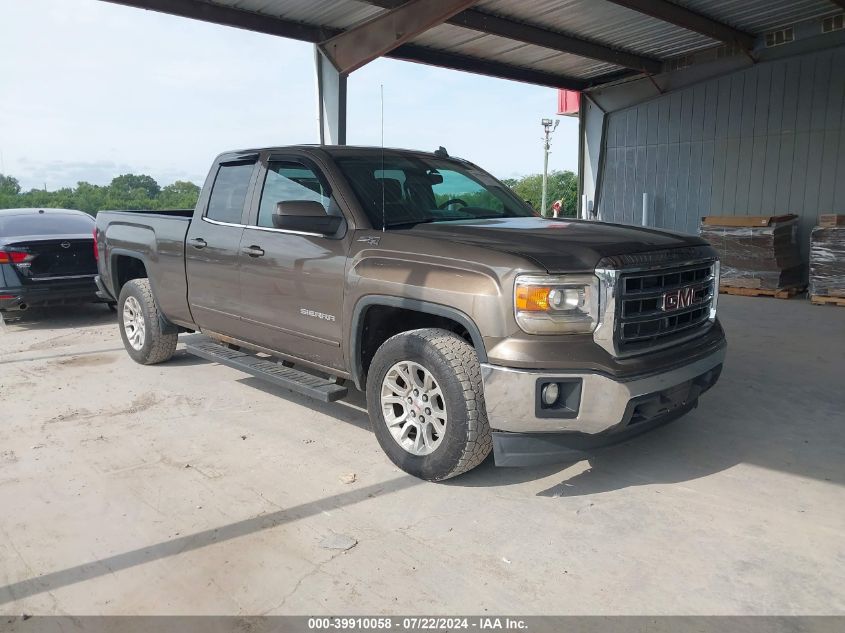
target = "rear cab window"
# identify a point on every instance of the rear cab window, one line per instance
(228, 194)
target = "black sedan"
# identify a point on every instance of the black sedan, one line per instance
(47, 258)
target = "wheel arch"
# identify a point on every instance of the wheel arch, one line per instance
(123, 265)
(124, 268)
(432, 315)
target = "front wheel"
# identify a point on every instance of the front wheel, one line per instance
(140, 324)
(426, 404)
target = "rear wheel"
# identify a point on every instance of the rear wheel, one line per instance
(426, 404)
(140, 324)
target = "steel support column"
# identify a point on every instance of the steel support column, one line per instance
(331, 100)
(592, 149)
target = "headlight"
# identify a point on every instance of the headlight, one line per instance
(716, 282)
(556, 304)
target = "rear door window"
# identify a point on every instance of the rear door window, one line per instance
(228, 194)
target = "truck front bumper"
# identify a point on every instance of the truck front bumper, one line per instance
(592, 409)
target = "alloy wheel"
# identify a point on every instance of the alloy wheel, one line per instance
(413, 408)
(133, 323)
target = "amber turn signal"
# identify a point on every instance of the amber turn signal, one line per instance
(532, 298)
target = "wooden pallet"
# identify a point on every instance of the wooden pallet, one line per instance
(781, 293)
(821, 300)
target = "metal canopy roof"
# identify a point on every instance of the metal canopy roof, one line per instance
(574, 44)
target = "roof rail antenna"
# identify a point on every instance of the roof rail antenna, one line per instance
(441, 152)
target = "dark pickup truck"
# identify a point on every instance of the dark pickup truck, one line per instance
(472, 323)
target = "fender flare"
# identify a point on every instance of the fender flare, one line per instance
(426, 307)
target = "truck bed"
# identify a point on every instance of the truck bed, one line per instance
(182, 213)
(157, 238)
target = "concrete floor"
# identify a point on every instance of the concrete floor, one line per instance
(190, 488)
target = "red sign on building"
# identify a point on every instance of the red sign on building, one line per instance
(568, 102)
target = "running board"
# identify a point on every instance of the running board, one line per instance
(324, 389)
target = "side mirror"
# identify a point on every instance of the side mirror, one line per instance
(308, 216)
(434, 178)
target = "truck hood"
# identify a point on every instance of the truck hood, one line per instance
(556, 245)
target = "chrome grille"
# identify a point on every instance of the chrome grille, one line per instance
(643, 322)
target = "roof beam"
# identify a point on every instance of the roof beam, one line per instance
(270, 25)
(384, 32)
(494, 25)
(227, 16)
(612, 77)
(554, 40)
(839, 3)
(690, 20)
(433, 57)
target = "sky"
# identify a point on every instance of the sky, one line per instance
(90, 90)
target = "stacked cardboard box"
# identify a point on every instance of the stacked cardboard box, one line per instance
(827, 257)
(831, 219)
(756, 251)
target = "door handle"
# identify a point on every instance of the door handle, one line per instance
(253, 251)
(198, 243)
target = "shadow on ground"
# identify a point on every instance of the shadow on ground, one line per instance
(724, 431)
(157, 551)
(778, 406)
(60, 317)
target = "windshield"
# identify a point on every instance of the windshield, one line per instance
(398, 191)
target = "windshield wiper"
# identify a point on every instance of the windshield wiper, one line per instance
(412, 223)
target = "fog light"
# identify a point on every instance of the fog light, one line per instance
(551, 392)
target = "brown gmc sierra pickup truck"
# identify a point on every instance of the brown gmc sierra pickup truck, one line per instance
(471, 323)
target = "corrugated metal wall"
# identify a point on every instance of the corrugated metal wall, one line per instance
(762, 141)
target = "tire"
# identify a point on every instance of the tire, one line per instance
(144, 342)
(464, 440)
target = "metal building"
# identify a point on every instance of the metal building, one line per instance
(726, 107)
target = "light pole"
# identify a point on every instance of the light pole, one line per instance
(549, 126)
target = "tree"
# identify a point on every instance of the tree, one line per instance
(9, 185)
(180, 195)
(128, 191)
(90, 198)
(562, 185)
(132, 184)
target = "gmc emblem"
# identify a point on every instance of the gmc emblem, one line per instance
(677, 299)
